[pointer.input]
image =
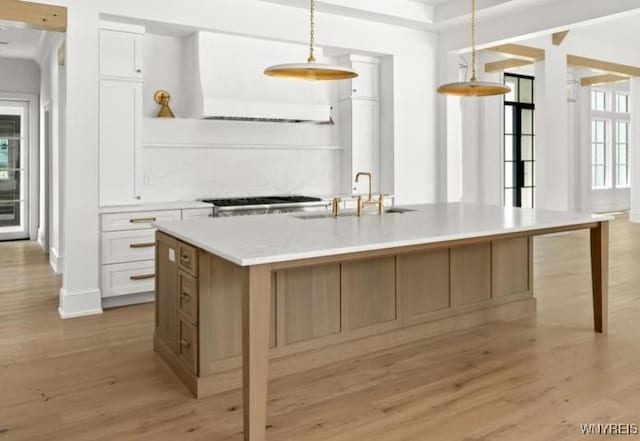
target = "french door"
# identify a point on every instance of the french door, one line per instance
(14, 169)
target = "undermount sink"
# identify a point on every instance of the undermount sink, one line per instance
(326, 215)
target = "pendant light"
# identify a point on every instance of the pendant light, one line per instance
(474, 87)
(311, 70)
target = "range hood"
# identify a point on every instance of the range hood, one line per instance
(227, 81)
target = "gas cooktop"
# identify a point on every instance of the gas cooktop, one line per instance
(260, 200)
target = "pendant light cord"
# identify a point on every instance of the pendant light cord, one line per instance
(474, 26)
(312, 33)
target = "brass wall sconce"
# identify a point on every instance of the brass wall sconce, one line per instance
(162, 98)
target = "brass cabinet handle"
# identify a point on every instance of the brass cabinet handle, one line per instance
(185, 259)
(185, 343)
(143, 245)
(142, 220)
(142, 277)
(186, 297)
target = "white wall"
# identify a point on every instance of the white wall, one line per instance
(52, 98)
(19, 75)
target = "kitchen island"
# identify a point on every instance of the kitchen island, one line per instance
(241, 300)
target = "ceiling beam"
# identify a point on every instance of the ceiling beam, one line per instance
(601, 79)
(499, 66)
(519, 51)
(559, 37)
(604, 66)
(34, 15)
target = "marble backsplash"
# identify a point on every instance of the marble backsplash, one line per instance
(185, 173)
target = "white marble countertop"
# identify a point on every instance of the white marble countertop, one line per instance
(255, 240)
(154, 206)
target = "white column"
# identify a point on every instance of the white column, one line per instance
(553, 184)
(80, 293)
(634, 149)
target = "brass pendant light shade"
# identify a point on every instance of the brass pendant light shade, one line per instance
(311, 71)
(474, 87)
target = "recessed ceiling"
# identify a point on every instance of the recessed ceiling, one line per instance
(16, 42)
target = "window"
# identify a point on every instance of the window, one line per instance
(609, 139)
(598, 154)
(4, 159)
(622, 103)
(622, 154)
(519, 142)
(599, 100)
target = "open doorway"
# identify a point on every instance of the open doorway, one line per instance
(31, 36)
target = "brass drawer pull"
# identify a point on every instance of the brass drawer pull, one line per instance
(186, 297)
(142, 245)
(142, 277)
(185, 343)
(142, 220)
(185, 259)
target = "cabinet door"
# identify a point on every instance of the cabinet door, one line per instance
(120, 141)
(470, 274)
(367, 83)
(369, 291)
(167, 290)
(311, 297)
(121, 54)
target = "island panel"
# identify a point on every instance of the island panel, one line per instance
(423, 283)
(310, 299)
(470, 274)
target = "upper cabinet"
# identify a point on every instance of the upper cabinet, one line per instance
(121, 48)
(367, 84)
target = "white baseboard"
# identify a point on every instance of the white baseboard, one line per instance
(634, 217)
(80, 303)
(55, 261)
(131, 299)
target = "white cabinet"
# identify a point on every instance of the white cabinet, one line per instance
(120, 142)
(128, 247)
(120, 113)
(121, 50)
(367, 83)
(360, 125)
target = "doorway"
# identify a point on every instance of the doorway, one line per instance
(14, 170)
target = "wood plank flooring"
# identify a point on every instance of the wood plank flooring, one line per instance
(536, 378)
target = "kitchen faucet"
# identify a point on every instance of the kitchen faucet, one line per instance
(362, 204)
(370, 179)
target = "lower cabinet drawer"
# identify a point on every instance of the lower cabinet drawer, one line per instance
(188, 259)
(128, 278)
(128, 246)
(188, 300)
(137, 220)
(188, 345)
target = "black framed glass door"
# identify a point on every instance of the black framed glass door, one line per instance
(519, 142)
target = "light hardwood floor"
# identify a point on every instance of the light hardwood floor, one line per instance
(537, 378)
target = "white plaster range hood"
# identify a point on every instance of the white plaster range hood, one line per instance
(227, 81)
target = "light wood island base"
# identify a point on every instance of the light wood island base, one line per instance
(218, 325)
